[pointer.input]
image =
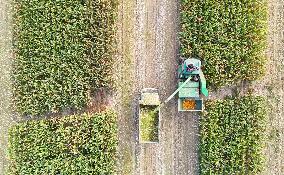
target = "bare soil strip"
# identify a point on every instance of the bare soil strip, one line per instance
(274, 89)
(186, 154)
(149, 157)
(156, 63)
(124, 76)
(152, 63)
(6, 114)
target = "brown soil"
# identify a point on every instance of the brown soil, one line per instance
(6, 114)
(273, 87)
(124, 76)
(156, 62)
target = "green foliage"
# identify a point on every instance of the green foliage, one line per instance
(232, 134)
(63, 52)
(83, 144)
(101, 40)
(229, 35)
(149, 125)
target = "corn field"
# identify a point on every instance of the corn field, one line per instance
(64, 52)
(84, 144)
(229, 36)
(232, 135)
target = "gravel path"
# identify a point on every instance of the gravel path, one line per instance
(5, 82)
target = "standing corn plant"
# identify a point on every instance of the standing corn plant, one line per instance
(229, 35)
(63, 52)
(84, 144)
(232, 134)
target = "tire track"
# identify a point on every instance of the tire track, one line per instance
(274, 89)
(156, 63)
(7, 116)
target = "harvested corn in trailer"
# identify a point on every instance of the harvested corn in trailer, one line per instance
(149, 124)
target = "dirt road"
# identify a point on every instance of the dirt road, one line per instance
(156, 29)
(5, 82)
(274, 85)
(156, 62)
(149, 52)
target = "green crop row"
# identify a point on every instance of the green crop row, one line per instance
(228, 35)
(84, 144)
(232, 134)
(63, 52)
(101, 43)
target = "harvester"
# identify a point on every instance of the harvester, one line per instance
(191, 90)
(191, 86)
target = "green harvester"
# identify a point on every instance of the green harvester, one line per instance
(191, 86)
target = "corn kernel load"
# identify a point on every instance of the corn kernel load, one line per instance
(188, 104)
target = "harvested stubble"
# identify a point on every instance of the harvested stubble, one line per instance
(228, 35)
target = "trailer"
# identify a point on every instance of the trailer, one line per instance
(149, 116)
